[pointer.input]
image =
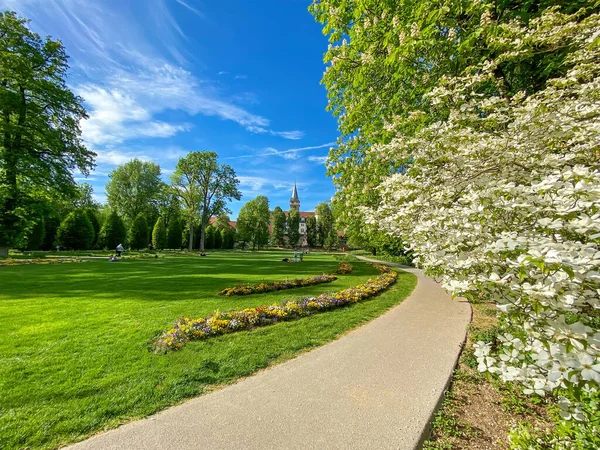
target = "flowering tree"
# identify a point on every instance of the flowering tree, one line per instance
(500, 199)
(384, 58)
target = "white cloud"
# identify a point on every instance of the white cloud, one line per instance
(287, 154)
(318, 159)
(116, 157)
(294, 135)
(133, 81)
(240, 77)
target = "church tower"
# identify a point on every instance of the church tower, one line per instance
(295, 201)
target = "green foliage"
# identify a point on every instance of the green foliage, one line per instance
(40, 127)
(218, 239)
(113, 232)
(37, 235)
(204, 188)
(565, 434)
(253, 222)
(135, 188)
(138, 233)
(159, 235)
(312, 232)
(209, 237)
(278, 227)
(174, 238)
(51, 224)
(93, 216)
(293, 227)
(327, 234)
(76, 231)
(386, 56)
(228, 238)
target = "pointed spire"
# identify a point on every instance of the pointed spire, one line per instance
(295, 193)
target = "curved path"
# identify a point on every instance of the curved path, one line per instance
(374, 388)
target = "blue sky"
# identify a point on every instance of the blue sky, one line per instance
(163, 77)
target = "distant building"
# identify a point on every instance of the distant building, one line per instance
(295, 204)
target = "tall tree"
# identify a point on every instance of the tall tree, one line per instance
(293, 227)
(84, 198)
(40, 144)
(204, 187)
(311, 231)
(135, 188)
(278, 227)
(327, 234)
(253, 222)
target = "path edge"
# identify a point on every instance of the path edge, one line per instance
(426, 433)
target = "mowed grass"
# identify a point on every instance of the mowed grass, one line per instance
(74, 338)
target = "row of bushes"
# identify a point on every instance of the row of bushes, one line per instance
(261, 288)
(186, 329)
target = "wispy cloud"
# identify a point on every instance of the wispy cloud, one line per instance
(240, 77)
(293, 135)
(191, 8)
(318, 159)
(254, 185)
(116, 157)
(287, 154)
(134, 83)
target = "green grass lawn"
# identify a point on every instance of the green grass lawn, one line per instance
(74, 338)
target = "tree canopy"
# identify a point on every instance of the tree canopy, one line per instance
(253, 222)
(135, 188)
(41, 143)
(278, 227)
(383, 60)
(293, 227)
(204, 188)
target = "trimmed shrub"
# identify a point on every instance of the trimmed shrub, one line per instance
(138, 233)
(76, 231)
(218, 239)
(36, 238)
(95, 223)
(174, 234)
(159, 234)
(113, 232)
(51, 225)
(209, 237)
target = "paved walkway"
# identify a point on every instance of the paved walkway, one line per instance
(374, 388)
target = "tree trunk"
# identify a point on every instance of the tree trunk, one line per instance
(202, 226)
(3, 252)
(191, 237)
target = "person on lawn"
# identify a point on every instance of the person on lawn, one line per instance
(120, 249)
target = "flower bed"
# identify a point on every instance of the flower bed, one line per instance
(186, 329)
(22, 262)
(344, 268)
